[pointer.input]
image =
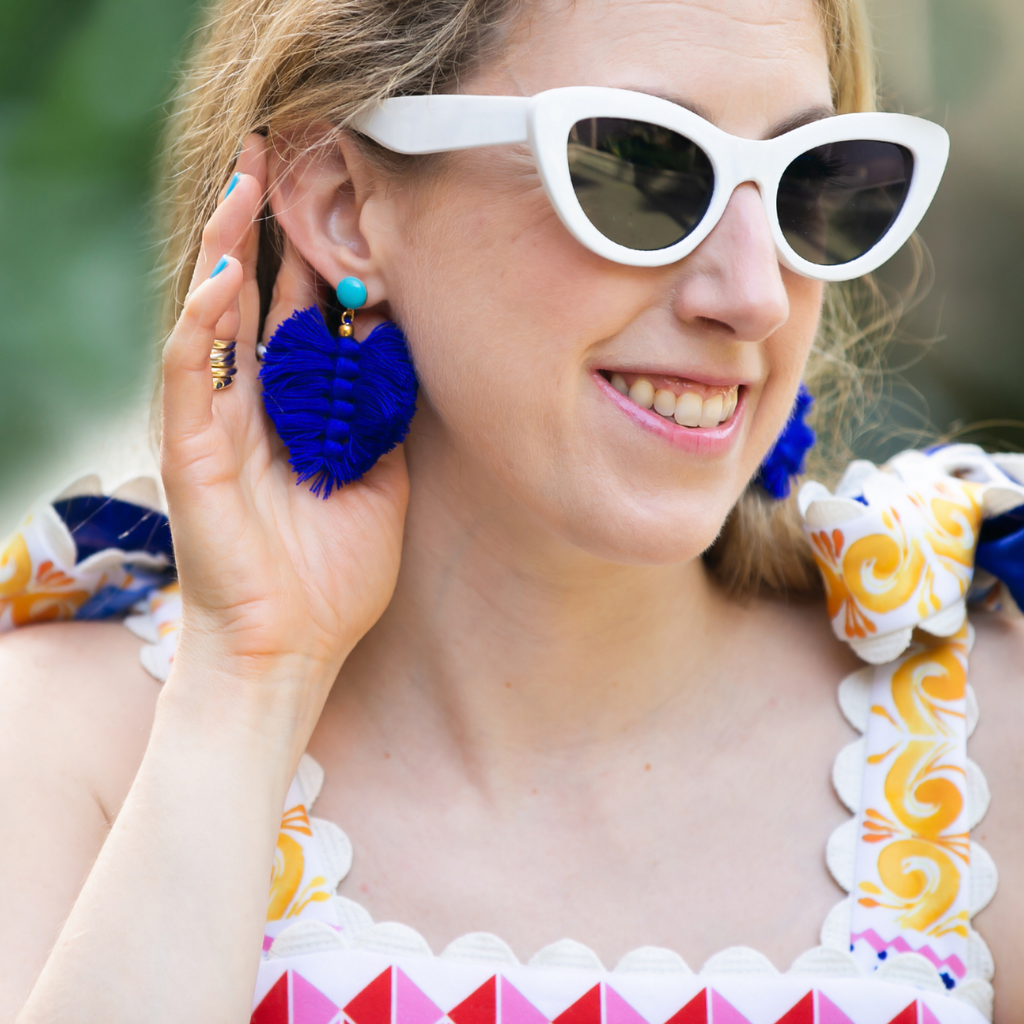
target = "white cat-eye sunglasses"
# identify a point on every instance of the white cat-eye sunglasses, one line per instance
(640, 180)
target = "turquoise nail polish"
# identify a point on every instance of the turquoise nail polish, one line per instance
(235, 178)
(351, 293)
(221, 264)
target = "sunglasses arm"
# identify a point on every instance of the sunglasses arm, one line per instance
(441, 123)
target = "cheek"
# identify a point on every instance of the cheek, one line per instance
(805, 305)
(805, 302)
(494, 294)
(787, 351)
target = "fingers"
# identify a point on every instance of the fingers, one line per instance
(231, 297)
(188, 385)
(234, 227)
(252, 159)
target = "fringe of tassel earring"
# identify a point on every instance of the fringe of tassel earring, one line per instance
(337, 404)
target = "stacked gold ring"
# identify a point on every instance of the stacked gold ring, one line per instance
(222, 364)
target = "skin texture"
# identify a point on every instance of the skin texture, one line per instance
(537, 715)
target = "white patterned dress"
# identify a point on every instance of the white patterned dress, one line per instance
(897, 548)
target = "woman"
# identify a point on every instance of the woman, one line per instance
(538, 711)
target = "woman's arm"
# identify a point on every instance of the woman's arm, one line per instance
(76, 709)
(168, 924)
(75, 712)
(277, 588)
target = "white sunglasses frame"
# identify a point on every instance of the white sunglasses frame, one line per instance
(444, 122)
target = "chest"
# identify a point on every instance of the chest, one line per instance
(728, 836)
(694, 843)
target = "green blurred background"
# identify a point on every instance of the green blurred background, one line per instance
(83, 85)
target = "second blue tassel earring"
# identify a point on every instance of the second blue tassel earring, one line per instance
(786, 459)
(337, 404)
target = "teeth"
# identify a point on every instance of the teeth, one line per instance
(642, 392)
(688, 410)
(730, 403)
(665, 402)
(711, 415)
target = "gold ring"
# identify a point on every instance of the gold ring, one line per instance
(222, 364)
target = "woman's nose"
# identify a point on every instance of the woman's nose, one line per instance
(732, 281)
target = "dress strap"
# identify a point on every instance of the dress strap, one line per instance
(311, 858)
(896, 550)
(84, 555)
(917, 876)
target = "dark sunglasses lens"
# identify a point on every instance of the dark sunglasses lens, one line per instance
(837, 201)
(639, 184)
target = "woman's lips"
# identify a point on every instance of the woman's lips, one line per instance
(689, 403)
(692, 415)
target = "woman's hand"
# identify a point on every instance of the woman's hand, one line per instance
(278, 585)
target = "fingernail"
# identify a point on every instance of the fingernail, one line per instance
(235, 178)
(221, 264)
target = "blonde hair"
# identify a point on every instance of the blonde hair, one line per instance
(280, 66)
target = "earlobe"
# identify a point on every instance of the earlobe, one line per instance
(318, 194)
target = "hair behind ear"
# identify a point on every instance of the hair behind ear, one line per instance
(762, 549)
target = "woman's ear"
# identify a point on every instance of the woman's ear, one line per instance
(319, 193)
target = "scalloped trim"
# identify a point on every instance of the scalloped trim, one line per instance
(357, 930)
(841, 853)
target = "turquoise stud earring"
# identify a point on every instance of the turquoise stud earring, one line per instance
(351, 294)
(337, 404)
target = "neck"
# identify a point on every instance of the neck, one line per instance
(507, 639)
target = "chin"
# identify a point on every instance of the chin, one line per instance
(662, 531)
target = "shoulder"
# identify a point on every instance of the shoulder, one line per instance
(997, 675)
(74, 697)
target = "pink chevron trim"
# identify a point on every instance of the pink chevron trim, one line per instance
(900, 944)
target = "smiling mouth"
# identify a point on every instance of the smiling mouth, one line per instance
(693, 405)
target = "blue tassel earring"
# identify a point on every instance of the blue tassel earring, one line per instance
(786, 459)
(337, 404)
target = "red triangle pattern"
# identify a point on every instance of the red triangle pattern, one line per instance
(802, 1013)
(273, 1008)
(694, 1012)
(373, 1004)
(479, 1007)
(906, 1016)
(586, 1009)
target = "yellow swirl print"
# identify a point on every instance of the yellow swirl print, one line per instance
(957, 527)
(289, 862)
(881, 573)
(285, 876)
(920, 867)
(51, 596)
(926, 804)
(15, 567)
(936, 674)
(826, 548)
(923, 877)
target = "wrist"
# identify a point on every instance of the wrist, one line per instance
(262, 707)
(188, 745)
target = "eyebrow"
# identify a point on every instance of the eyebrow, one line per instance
(816, 113)
(808, 116)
